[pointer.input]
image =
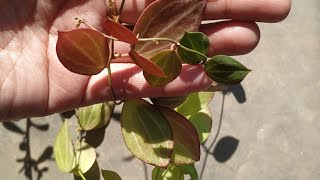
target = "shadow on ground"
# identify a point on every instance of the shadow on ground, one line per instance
(30, 165)
(226, 146)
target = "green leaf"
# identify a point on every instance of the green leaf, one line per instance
(108, 111)
(146, 132)
(89, 117)
(170, 63)
(171, 173)
(83, 51)
(146, 65)
(194, 103)
(170, 102)
(63, 149)
(110, 175)
(119, 31)
(85, 156)
(167, 19)
(202, 121)
(196, 41)
(95, 116)
(189, 169)
(226, 70)
(186, 148)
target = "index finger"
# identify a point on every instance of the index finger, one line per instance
(247, 10)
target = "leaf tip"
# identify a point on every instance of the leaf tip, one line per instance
(119, 31)
(146, 64)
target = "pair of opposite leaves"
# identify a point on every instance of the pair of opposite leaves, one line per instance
(159, 135)
(85, 51)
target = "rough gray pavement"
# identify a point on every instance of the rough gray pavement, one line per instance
(270, 124)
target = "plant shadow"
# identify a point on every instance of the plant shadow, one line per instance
(225, 148)
(227, 145)
(238, 92)
(116, 116)
(30, 165)
(67, 114)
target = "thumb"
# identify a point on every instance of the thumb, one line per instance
(128, 82)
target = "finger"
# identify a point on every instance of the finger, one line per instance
(232, 37)
(249, 10)
(129, 82)
(228, 38)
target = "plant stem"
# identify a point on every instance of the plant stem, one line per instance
(215, 88)
(120, 11)
(175, 43)
(83, 21)
(110, 85)
(112, 54)
(196, 52)
(215, 137)
(111, 91)
(77, 159)
(159, 39)
(81, 175)
(109, 71)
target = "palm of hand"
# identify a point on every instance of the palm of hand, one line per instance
(30, 70)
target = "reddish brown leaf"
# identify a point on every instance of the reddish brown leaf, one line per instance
(167, 19)
(146, 65)
(186, 148)
(83, 51)
(119, 31)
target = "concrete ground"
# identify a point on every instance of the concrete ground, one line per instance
(270, 124)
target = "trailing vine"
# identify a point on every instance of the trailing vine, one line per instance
(166, 132)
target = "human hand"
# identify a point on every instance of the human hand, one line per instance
(34, 83)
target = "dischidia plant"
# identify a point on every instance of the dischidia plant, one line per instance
(166, 133)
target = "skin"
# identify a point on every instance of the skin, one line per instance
(34, 83)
